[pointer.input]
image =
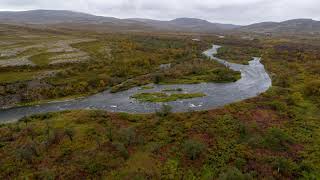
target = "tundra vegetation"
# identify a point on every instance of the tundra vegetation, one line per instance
(275, 135)
(165, 97)
(64, 65)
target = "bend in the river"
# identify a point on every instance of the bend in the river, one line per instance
(254, 81)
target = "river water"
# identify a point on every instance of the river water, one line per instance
(254, 81)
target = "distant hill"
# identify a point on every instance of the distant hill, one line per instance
(187, 24)
(50, 17)
(78, 20)
(294, 26)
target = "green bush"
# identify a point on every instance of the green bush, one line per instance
(193, 149)
(295, 99)
(276, 139)
(157, 78)
(234, 174)
(46, 174)
(26, 120)
(69, 132)
(170, 170)
(109, 134)
(93, 167)
(27, 152)
(279, 106)
(56, 137)
(284, 166)
(240, 162)
(164, 111)
(121, 149)
(127, 136)
(312, 88)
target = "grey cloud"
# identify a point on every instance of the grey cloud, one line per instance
(227, 11)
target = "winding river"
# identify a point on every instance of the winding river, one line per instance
(254, 81)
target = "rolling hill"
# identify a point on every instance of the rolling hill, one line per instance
(294, 26)
(78, 20)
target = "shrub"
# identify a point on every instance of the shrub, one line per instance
(164, 111)
(243, 131)
(284, 166)
(295, 98)
(69, 132)
(234, 174)
(55, 137)
(127, 136)
(94, 135)
(44, 116)
(26, 120)
(46, 174)
(157, 78)
(276, 139)
(31, 132)
(27, 152)
(155, 147)
(312, 88)
(122, 149)
(193, 149)
(240, 162)
(93, 167)
(170, 170)
(109, 134)
(279, 106)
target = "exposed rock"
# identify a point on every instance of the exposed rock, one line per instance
(23, 61)
(6, 43)
(64, 45)
(15, 51)
(70, 56)
(76, 60)
(165, 66)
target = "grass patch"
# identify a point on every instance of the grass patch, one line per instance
(197, 71)
(215, 76)
(11, 77)
(172, 90)
(164, 97)
(146, 87)
(238, 54)
(43, 58)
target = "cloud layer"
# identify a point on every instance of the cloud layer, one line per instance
(227, 11)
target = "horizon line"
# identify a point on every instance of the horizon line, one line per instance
(128, 18)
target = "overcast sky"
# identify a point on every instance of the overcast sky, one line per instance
(223, 11)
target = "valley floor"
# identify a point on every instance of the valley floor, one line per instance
(275, 135)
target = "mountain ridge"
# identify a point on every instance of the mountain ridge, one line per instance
(185, 24)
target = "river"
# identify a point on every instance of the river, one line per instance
(254, 81)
